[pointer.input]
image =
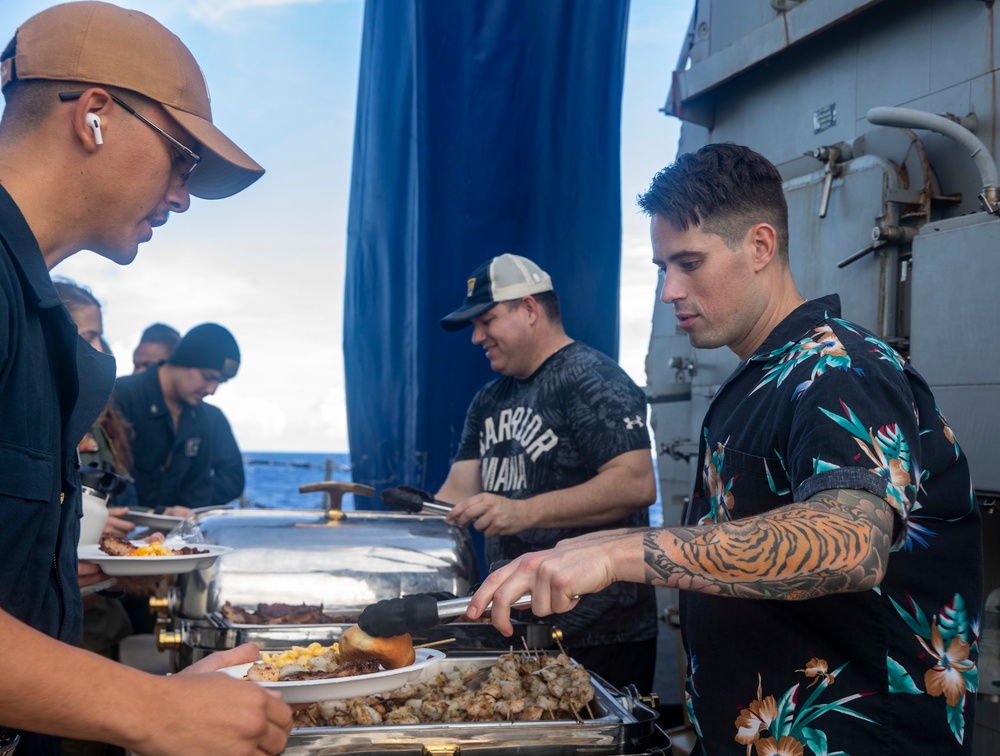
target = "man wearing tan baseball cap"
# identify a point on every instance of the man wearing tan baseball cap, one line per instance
(107, 130)
(100, 43)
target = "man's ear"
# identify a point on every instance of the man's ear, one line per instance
(93, 102)
(764, 241)
(530, 304)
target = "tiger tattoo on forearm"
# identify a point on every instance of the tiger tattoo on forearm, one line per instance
(834, 542)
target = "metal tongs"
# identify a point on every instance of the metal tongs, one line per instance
(414, 501)
(421, 611)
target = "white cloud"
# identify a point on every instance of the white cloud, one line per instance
(257, 422)
(284, 313)
(649, 142)
(211, 12)
(269, 263)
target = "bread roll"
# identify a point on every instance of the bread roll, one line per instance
(392, 653)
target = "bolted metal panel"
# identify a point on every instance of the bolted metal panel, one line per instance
(758, 42)
(816, 245)
(954, 317)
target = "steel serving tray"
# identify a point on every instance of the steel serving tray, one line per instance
(620, 725)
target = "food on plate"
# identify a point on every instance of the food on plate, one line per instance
(312, 662)
(519, 687)
(284, 614)
(357, 653)
(115, 546)
(392, 653)
(297, 654)
(277, 667)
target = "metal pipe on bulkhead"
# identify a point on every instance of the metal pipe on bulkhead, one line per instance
(908, 118)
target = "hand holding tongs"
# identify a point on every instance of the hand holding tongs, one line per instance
(420, 611)
(414, 501)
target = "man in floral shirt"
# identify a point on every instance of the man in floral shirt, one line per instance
(831, 558)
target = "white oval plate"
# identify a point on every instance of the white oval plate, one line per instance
(163, 523)
(152, 565)
(310, 691)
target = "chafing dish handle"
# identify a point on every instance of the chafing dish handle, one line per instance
(412, 614)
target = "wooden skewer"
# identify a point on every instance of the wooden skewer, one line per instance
(436, 643)
(561, 649)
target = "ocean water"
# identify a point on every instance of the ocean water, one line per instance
(273, 480)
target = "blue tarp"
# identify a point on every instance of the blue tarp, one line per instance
(483, 127)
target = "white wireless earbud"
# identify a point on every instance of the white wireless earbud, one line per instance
(94, 121)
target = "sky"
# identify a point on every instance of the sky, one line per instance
(269, 262)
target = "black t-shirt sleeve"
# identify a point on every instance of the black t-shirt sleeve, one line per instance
(468, 447)
(608, 415)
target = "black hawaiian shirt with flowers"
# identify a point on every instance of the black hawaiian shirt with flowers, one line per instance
(823, 404)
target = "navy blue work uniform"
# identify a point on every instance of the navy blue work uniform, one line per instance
(53, 386)
(198, 466)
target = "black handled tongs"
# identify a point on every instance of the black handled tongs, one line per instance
(414, 501)
(411, 614)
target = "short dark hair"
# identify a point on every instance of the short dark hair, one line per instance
(74, 296)
(722, 188)
(549, 302)
(29, 102)
(160, 333)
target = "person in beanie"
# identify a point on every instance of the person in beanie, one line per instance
(106, 132)
(185, 452)
(556, 447)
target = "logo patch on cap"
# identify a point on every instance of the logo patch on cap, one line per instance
(229, 367)
(472, 285)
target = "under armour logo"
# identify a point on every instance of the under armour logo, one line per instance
(631, 423)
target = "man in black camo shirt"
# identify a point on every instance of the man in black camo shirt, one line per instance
(556, 447)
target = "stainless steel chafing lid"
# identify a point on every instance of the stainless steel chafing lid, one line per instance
(301, 556)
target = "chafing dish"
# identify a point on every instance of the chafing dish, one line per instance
(305, 556)
(342, 561)
(621, 724)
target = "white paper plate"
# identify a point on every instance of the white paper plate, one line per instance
(162, 523)
(212, 508)
(310, 691)
(152, 565)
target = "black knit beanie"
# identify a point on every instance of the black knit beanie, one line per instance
(208, 346)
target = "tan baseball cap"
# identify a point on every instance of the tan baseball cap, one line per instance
(103, 44)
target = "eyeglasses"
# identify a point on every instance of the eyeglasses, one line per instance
(188, 157)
